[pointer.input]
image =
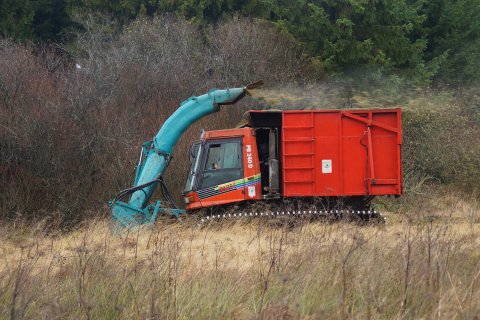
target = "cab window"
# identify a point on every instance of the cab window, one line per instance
(223, 163)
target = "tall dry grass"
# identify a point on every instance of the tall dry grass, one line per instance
(425, 264)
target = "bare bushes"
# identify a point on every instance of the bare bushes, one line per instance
(243, 50)
(40, 144)
(70, 136)
(443, 143)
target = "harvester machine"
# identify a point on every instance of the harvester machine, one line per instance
(156, 154)
(319, 162)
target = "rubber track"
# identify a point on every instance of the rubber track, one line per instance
(317, 213)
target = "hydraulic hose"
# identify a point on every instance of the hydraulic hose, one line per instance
(163, 188)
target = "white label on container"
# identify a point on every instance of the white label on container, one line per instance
(251, 191)
(326, 166)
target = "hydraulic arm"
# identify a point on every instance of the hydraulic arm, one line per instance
(156, 155)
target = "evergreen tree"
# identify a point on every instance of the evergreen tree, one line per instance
(51, 19)
(16, 18)
(350, 34)
(453, 31)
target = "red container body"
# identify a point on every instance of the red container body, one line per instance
(341, 153)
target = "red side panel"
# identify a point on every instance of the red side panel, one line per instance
(298, 158)
(342, 152)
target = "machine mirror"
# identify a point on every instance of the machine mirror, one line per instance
(193, 150)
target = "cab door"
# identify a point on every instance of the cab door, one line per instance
(222, 178)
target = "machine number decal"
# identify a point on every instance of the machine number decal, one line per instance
(249, 156)
(226, 187)
(326, 166)
(251, 191)
(244, 184)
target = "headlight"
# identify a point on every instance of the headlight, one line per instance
(189, 199)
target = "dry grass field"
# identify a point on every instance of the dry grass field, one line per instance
(421, 264)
